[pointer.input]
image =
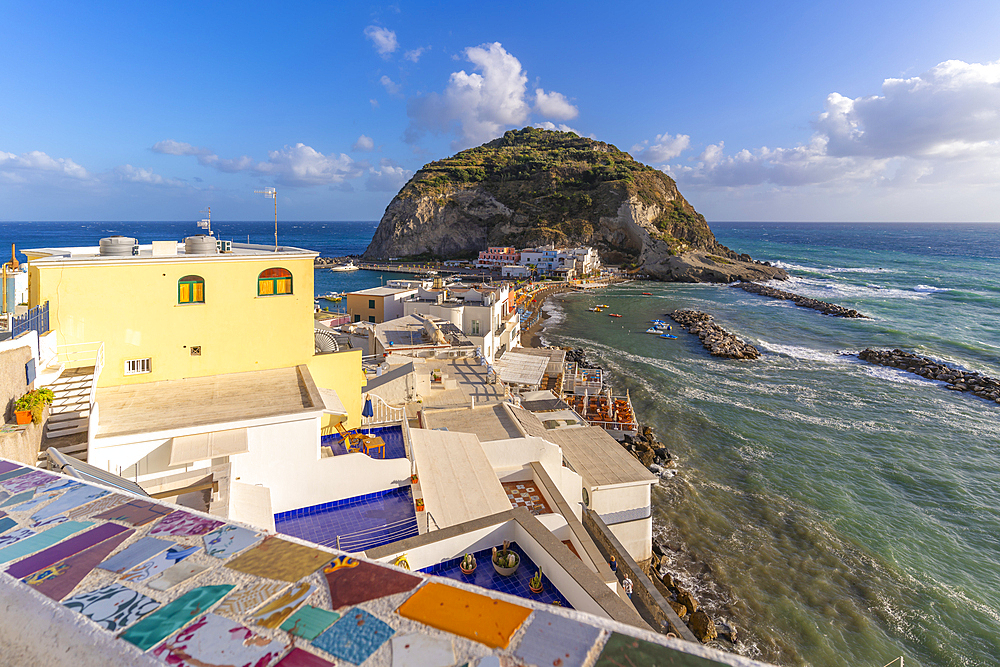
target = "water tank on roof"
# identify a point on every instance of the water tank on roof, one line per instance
(200, 244)
(119, 246)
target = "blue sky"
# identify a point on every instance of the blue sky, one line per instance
(850, 111)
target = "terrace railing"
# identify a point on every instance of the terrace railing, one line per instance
(383, 413)
(373, 537)
(36, 319)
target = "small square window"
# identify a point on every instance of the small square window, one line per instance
(371, 318)
(357, 318)
(371, 303)
(196, 350)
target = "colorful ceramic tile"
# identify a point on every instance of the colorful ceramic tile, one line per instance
(11, 474)
(15, 536)
(8, 466)
(355, 636)
(6, 524)
(136, 512)
(248, 597)
(308, 622)
(272, 614)
(422, 651)
(64, 549)
(52, 520)
(213, 640)
(175, 575)
(42, 496)
(69, 500)
(466, 614)
(95, 507)
(299, 658)
(28, 481)
(58, 484)
(276, 558)
(624, 650)
(18, 498)
(352, 581)
(550, 639)
(183, 523)
(173, 616)
(42, 540)
(157, 564)
(134, 554)
(114, 607)
(225, 541)
(58, 580)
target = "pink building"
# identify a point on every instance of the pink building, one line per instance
(499, 256)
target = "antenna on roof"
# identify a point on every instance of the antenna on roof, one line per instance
(206, 223)
(272, 193)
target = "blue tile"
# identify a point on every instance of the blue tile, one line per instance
(355, 636)
(486, 577)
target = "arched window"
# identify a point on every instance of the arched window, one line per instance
(191, 289)
(274, 281)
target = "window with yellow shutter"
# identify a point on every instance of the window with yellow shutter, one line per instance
(191, 289)
(274, 281)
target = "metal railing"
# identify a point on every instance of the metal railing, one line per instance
(81, 355)
(383, 412)
(377, 536)
(36, 319)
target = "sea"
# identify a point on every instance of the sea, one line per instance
(835, 512)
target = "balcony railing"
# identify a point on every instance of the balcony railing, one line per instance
(383, 413)
(36, 319)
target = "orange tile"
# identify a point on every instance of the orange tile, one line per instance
(476, 617)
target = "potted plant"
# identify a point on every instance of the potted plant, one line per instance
(505, 561)
(468, 564)
(535, 584)
(413, 478)
(420, 504)
(30, 406)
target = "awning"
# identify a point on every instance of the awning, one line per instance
(211, 445)
(332, 403)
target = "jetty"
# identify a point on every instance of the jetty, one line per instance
(982, 386)
(718, 341)
(799, 300)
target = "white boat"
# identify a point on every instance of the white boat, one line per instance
(345, 267)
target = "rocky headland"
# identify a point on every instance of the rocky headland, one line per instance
(982, 386)
(799, 300)
(718, 341)
(534, 187)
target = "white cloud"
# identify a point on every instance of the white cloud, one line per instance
(562, 127)
(664, 147)
(414, 55)
(383, 39)
(390, 86)
(364, 144)
(387, 178)
(36, 164)
(554, 105)
(304, 166)
(941, 127)
(171, 147)
(130, 174)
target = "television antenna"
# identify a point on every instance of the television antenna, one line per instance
(206, 223)
(272, 193)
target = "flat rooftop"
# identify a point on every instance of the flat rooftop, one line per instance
(524, 369)
(93, 253)
(205, 401)
(487, 422)
(383, 291)
(470, 377)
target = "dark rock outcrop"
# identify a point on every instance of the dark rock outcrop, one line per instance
(718, 341)
(798, 300)
(534, 187)
(982, 386)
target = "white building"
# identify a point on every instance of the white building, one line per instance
(486, 315)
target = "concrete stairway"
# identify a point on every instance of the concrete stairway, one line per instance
(69, 415)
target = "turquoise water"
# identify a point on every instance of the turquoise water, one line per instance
(839, 513)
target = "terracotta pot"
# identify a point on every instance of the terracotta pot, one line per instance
(23, 416)
(535, 590)
(464, 571)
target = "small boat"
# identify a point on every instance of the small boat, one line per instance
(332, 296)
(647, 294)
(613, 315)
(654, 330)
(345, 267)
(595, 309)
(666, 335)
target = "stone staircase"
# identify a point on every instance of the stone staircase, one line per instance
(69, 414)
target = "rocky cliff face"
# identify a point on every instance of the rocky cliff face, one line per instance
(533, 187)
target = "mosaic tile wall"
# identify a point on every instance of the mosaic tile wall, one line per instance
(189, 589)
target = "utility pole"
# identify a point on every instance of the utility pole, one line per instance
(272, 193)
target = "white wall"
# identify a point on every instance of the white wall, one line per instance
(607, 500)
(636, 537)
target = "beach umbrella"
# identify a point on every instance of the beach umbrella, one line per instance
(368, 411)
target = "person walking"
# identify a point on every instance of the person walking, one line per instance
(627, 587)
(613, 563)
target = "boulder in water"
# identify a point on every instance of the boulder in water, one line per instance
(703, 627)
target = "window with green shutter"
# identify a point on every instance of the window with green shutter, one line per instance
(191, 289)
(272, 282)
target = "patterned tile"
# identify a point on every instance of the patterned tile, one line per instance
(136, 512)
(59, 580)
(6, 524)
(213, 640)
(250, 596)
(42, 496)
(355, 636)
(18, 498)
(11, 474)
(272, 614)
(526, 494)
(299, 658)
(466, 614)
(42, 540)
(171, 617)
(15, 536)
(225, 541)
(64, 549)
(624, 650)
(113, 607)
(69, 500)
(176, 574)
(555, 640)
(134, 554)
(183, 523)
(157, 564)
(27, 482)
(99, 505)
(308, 622)
(422, 651)
(276, 558)
(352, 581)
(8, 466)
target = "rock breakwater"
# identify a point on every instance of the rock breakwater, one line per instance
(799, 300)
(718, 341)
(982, 386)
